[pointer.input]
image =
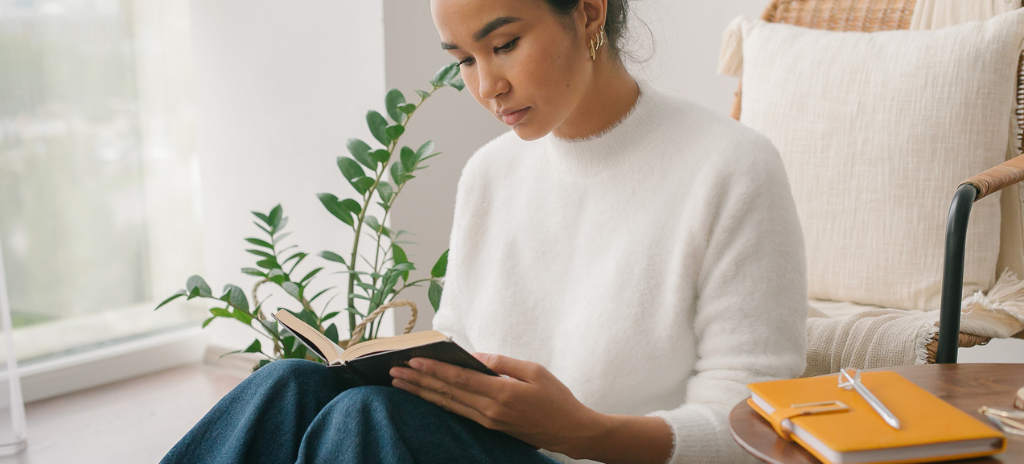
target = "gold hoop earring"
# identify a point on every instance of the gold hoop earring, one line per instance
(594, 47)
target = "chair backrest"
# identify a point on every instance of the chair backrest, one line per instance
(881, 15)
(860, 16)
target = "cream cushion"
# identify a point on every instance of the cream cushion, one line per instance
(876, 131)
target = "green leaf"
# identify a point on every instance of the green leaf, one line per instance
(277, 276)
(208, 321)
(275, 218)
(220, 312)
(352, 206)
(300, 257)
(407, 109)
(394, 132)
(365, 286)
(421, 160)
(267, 264)
(253, 272)
(236, 296)
(261, 253)
(377, 124)
(330, 316)
(457, 84)
(258, 242)
(441, 266)
(361, 152)
(173, 297)
(445, 74)
(281, 237)
(408, 159)
(311, 274)
(350, 169)
(434, 294)
(423, 93)
(427, 147)
(280, 224)
(254, 348)
(392, 101)
(382, 156)
(332, 256)
(262, 228)
(242, 316)
(399, 257)
(355, 311)
(357, 296)
(196, 286)
(403, 267)
(308, 317)
(398, 254)
(336, 208)
(321, 292)
(362, 184)
(262, 217)
(293, 289)
(398, 174)
(385, 191)
(332, 333)
(371, 221)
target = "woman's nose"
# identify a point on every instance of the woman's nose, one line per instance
(492, 82)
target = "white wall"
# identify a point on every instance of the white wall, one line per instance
(281, 86)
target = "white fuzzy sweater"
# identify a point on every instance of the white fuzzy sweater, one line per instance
(655, 269)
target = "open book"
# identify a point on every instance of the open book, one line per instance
(370, 362)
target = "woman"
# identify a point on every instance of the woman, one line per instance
(630, 260)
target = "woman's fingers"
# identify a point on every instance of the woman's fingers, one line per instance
(447, 390)
(448, 402)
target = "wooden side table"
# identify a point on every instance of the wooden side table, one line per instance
(966, 386)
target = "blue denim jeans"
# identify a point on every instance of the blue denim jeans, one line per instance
(295, 411)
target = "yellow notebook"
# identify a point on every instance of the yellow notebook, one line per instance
(930, 429)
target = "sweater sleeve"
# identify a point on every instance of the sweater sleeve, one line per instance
(751, 307)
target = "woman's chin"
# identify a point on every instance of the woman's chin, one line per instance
(528, 133)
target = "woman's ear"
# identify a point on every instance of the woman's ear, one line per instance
(595, 13)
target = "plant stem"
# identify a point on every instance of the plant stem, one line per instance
(359, 225)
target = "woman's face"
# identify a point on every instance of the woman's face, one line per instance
(521, 61)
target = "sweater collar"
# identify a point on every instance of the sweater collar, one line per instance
(601, 152)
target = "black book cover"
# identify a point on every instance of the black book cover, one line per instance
(375, 369)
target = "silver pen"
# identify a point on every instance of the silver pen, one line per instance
(853, 381)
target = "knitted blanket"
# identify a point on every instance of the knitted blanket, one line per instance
(849, 335)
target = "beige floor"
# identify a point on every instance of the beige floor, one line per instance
(133, 421)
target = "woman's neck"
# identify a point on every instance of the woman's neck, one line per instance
(610, 96)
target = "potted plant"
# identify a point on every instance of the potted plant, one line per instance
(383, 278)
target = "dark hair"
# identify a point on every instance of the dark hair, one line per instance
(615, 22)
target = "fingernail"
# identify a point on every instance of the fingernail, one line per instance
(417, 364)
(397, 373)
(398, 384)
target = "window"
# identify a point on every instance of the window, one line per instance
(99, 179)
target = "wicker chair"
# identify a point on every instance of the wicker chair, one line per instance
(879, 15)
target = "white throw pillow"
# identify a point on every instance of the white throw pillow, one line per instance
(876, 131)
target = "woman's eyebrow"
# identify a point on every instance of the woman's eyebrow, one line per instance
(485, 31)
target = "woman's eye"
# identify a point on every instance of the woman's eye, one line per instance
(507, 46)
(466, 61)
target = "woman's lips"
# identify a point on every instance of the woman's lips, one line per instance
(513, 118)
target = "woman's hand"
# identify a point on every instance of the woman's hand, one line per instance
(530, 404)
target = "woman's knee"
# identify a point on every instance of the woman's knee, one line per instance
(291, 372)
